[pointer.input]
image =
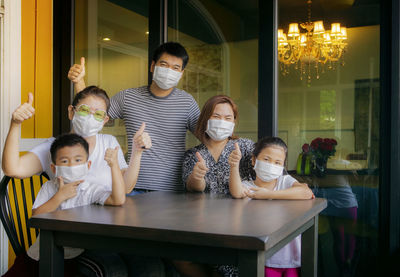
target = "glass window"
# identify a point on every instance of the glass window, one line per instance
(328, 98)
(113, 36)
(221, 38)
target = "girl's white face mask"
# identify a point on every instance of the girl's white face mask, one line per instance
(267, 171)
(72, 174)
(166, 78)
(219, 129)
(86, 126)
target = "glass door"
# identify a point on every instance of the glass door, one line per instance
(113, 36)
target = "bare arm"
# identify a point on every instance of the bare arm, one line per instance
(66, 191)
(235, 183)
(298, 191)
(13, 164)
(141, 141)
(195, 184)
(117, 196)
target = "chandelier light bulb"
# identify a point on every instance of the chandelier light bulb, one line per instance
(335, 29)
(343, 31)
(319, 27)
(293, 30)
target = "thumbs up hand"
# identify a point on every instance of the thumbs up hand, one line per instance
(24, 112)
(141, 140)
(77, 71)
(235, 156)
(111, 156)
(200, 168)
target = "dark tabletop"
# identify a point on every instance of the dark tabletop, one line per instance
(189, 218)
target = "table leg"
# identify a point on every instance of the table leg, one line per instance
(309, 250)
(251, 263)
(51, 263)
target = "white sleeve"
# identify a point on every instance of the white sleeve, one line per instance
(45, 194)
(42, 151)
(288, 181)
(99, 195)
(121, 159)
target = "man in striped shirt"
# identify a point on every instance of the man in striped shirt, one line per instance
(167, 111)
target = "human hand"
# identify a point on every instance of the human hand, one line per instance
(258, 193)
(141, 140)
(24, 112)
(200, 168)
(67, 191)
(77, 71)
(111, 156)
(235, 156)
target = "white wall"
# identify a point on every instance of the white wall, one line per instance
(10, 86)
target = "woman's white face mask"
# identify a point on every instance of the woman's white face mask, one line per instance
(72, 174)
(219, 129)
(86, 126)
(267, 171)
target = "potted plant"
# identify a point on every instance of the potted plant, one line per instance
(320, 149)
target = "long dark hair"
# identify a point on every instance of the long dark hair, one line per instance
(267, 142)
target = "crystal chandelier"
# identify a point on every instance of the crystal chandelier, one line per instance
(313, 50)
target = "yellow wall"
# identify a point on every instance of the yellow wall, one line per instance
(36, 69)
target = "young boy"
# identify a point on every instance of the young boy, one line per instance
(69, 154)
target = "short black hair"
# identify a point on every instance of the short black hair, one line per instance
(174, 49)
(92, 91)
(267, 142)
(67, 140)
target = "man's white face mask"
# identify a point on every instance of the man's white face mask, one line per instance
(72, 174)
(219, 129)
(166, 78)
(267, 171)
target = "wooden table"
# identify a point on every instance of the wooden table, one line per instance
(199, 227)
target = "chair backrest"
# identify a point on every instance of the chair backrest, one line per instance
(16, 199)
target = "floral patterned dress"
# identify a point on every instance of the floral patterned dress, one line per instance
(217, 177)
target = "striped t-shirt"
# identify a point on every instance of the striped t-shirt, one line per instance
(167, 120)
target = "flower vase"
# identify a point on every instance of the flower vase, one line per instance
(320, 167)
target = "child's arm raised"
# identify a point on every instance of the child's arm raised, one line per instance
(141, 142)
(65, 191)
(13, 164)
(298, 191)
(236, 188)
(117, 196)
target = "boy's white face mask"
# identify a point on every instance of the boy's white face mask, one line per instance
(72, 174)
(267, 171)
(86, 126)
(166, 78)
(219, 129)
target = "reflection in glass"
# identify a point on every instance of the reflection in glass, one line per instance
(221, 38)
(341, 105)
(113, 36)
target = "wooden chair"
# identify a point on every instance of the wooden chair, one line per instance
(16, 199)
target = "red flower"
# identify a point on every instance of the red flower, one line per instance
(306, 147)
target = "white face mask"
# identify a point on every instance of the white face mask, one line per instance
(72, 173)
(166, 78)
(267, 171)
(86, 126)
(219, 129)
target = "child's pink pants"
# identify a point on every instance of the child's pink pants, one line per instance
(282, 272)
